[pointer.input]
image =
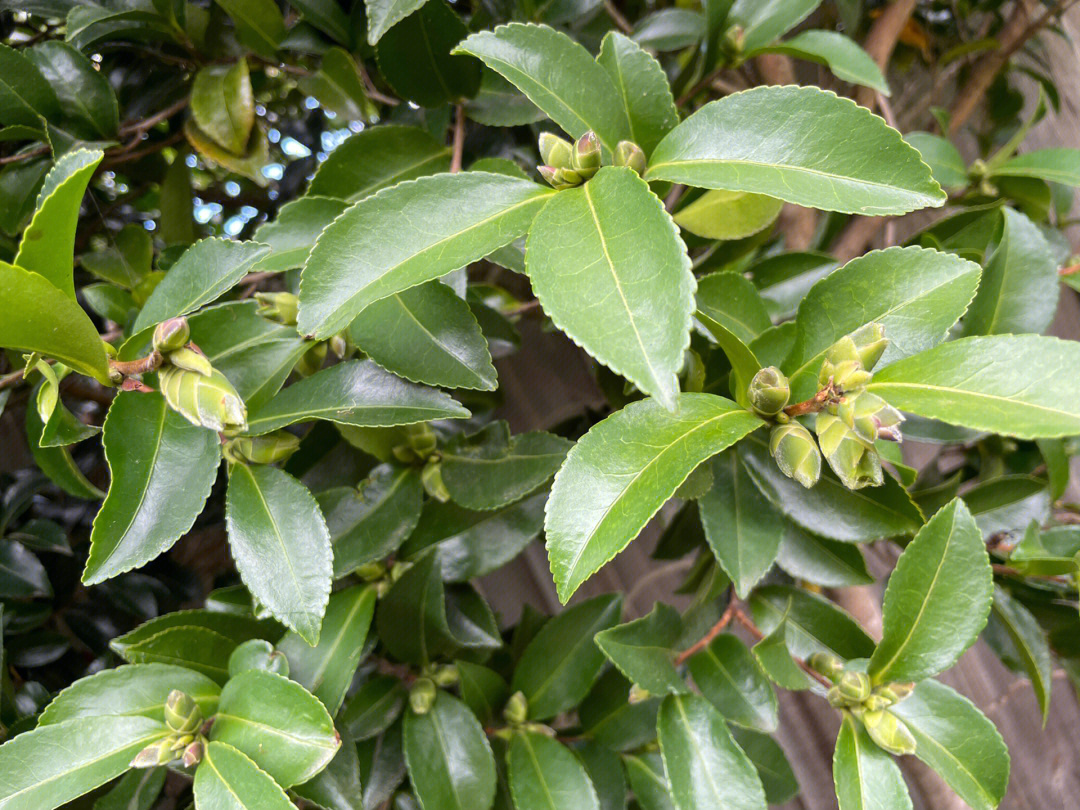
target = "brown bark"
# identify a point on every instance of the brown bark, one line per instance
(881, 41)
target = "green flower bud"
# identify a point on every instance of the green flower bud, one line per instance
(431, 478)
(556, 152)
(180, 742)
(560, 178)
(371, 572)
(258, 653)
(182, 713)
(875, 703)
(843, 366)
(870, 342)
(517, 709)
(191, 360)
(889, 732)
(312, 360)
(586, 157)
(278, 306)
(629, 154)
(854, 686)
(637, 694)
(836, 700)
(894, 692)
(422, 695)
(769, 391)
(796, 453)
(193, 754)
(854, 461)
(339, 346)
(446, 675)
(827, 664)
(735, 40)
(422, 439)
(208, 401)
(268, 449)
(155, 754)
(172, 334)
(870, 417)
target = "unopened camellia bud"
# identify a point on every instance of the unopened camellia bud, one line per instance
(854, 686)
(422, 695)
(637, 694)
(586, 158)
(843, 365)
(870, 342)
(155, 754)
(268, 449)
(560, 178)
(446, 675)
(278, 306)
(193, 754)
(431, 478)
(191, 360)
(208, 401)
(172, 334)
(769, 391)
(889, 732)
(826, 664)
(629, 154)
(517, 708)
(182, 713)
(854, 461)
(894, 692)
(339, 346)
(870, 417)
(796, 453)
(556, 152)
(312, 360)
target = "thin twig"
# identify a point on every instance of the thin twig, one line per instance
(748, 625)
(818, 402)
(156, 118)
(617, 17)
(706, 639)
(459, 138)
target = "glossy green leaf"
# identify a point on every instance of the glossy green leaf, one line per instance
(865, 777)
(623, 470)
(162, 470)
(608, 717)
(22, 576)
(259, 24)
(127, 261)
(773, 768)
(227, 779)
(409, 234)
(377, 158)
(327, 669)
(734, 314)
(382, 15)
(1008, 384)
(428, 335)
(670, 29)
(277, 723)
(339, 86)
(728, 215)
(643, 650)
(916, 294)
(784, 279)
(223, 104)
(250, 164)
(327, 16)
(823, 562)
(762, 22)
(704, 765)
(958, 741)
(944, 159)
(605, 771)
(237, 627)
(730, 678)
(643, 87)
(1058, 165)
(376, 704)
(545, 775)
(840, 54)
(281, 546)
(645, 773)
(449, 759)
(558, 75)
(500, 104)
(1029, 640)
(25, 95)
(95, 750)
(482, 689)
(814, 624)
(196, 648)
(774, 656)
(136, 790)
(743, 530)
(782, 141)
(84, 93)
(625, 291)
(206, 271)
(560, 664)
(337, 787)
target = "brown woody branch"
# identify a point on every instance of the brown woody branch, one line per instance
(881, 41)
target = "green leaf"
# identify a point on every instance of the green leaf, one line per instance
(490, 469)
(47, 245)
(670, 29)
(743, 530)
(774, 657)
(409, 234)
(1030, 642)
(625, 291)
(704, 765)
(1058, 165)
(483, 690)
(227, 779)
(645, 772)
(127, 261)
(326, 670)
(730, 678)
(277, 723)
(734, 314)
(162, 470)
(22, 576)
(382, 15)
(337, 787)
(728, 215)
(814, 624)
(945, 161)
(783, 280)
(840, 54)
(281, 546)
(762, 22)
(339, 86)
(327, 16)
(865, 776)
(449, 759)
(642, 650)
(378, 158)
(206, 271)
(937, 601)
(643, 87)
(609, 718)
(354, 393)
(223, 104)
(499, 104)
(84, 93)
(1019, 288)
(136, 790)
(916, 294)
(293, 232)
(426, 334)
(95, 750)
(235, 627)
(772, 766)
(769, 141)
(1007, 384)
(374, 707)
(25, 95)
(191, 647)
(560, 664)
(823, 562)
(830, 509)
(623, 470)
(958, 741)
(558, 75)
(545, 775)
(130, 691)
(260, 25)
(605, 771)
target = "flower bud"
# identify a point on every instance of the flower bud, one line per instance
(182, 713)
(586, 157)
(517, 709)
(735, 40)
(868, 415)
(172, 334)
(339, 346)
(446, 675)
(889, 732)
(422, 695)
(854, 461)
(208, 401)
(268, 449)
(191, 360)
(836, 700)
(826, 664)
(894, 692)
(796, 453)
(629, 154)
(637, 694)
(556, 152)
(854, 686)
(870, 342)
(155, 754)
(278, 306)
(431, 478)
(312, 360)
(257, 653)
(180, 742)
(371, 572)
(875, 703)
(193, 754)
(843, 365)
(769, 391)
(560, 178)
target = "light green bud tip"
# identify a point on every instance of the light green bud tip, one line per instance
(796, 453)
(312, 359)
(431, 478)
(894, 692)
(629, 154)
(268, 449)
(208, 401)
(182, 713)
(854, 686)
(889, 732)
(769, 391)
(155, 754)
(870, 417)
(586, 158)
(193, 754)
(826, 664)
(191, 360)
(422, 695)
(854, 460)
(560, 178)
(258, 653)
(278, 306)
(172, 334)
(843, 365)
(446, 675)
(870, 342)
(555, 151)
(517, 709)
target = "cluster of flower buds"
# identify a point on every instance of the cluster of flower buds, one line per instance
(853, 692)
(791, 445)
(569, 164)
(282, 307)
(185, 741)
(193, 387)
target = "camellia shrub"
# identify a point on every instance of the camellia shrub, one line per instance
(256, 262)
